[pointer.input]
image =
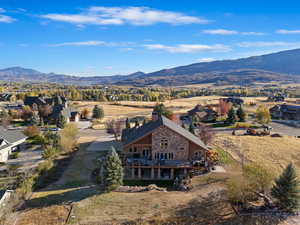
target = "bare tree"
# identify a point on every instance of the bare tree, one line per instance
(206, 134)
(114, 127)
(26, 113)
(44, 111)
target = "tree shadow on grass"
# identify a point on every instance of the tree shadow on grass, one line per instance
(60, 197)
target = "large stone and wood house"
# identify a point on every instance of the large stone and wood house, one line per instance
(59, 106)
(10, 140)
(161, 150)
(285, 112)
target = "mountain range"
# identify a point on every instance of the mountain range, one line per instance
(280, 66)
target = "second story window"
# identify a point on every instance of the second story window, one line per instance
(164, 143)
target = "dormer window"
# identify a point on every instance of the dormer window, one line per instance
(164, 143)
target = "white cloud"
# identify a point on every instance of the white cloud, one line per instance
(206, 60)
(80, 43)
(189, 48)
(268, 44)
(5, 19)
(230, 32)
(93, 43)
(283, 31)
(125, 15)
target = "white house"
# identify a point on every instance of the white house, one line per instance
(10, 140)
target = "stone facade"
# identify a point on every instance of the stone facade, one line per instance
(176, 144)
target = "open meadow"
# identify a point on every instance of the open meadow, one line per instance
(123, 109)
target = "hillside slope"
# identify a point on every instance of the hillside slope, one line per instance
(280, 66)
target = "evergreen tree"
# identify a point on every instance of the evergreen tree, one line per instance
(61, 121)
(127, 123)
(162, 110)
(231, 117)
(286, 190)
(111, 173)
(98, 112)
(241, 114)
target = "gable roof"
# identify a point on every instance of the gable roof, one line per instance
(133, 134)
(11, 136)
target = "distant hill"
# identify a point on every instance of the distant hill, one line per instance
(280, 66)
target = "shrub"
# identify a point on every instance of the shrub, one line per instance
(67, 140)
(32, 131)
(98, 112)
(263, 115)
(39, 140)
(239, 191)
(259, 177)
(49, 152)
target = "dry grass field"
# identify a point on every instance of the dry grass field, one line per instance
(274, 153)
(206, 203)
(133, 108)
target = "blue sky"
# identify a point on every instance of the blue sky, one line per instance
(110, 37)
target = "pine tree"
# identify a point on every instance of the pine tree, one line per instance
(231, 117)
(241, 114)
(61, 121)
(111, 172)
(286, 190)
(127, 123)
(98, 112)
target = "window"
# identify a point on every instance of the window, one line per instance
(130, 150)
(164, 143)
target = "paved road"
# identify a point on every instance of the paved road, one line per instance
(277, 128)
(284, 129)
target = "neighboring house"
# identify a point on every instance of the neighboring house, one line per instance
(234, 101)
(161, 150)
(203, 114)
(6, 97)
(59, 106)
(276, 98)
(285, 112)
(10, 140)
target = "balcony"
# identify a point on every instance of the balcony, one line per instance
(162, 163)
